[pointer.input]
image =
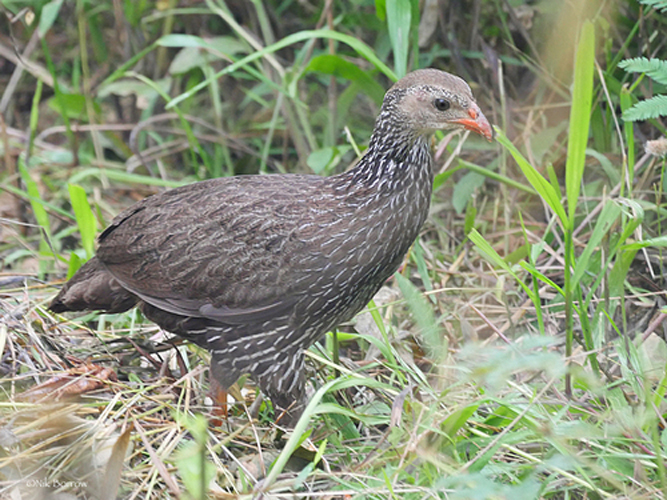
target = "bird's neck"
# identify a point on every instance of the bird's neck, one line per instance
(395, 160)
(390, 187)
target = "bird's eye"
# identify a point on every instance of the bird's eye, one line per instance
(441, 104)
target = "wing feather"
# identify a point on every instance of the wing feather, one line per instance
(222, 249)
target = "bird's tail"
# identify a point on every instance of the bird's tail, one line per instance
(93, 288)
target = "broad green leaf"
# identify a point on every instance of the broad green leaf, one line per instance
(458, 419)
(49, 15)
(319, 159)
(72, 105)
(381, 9)
(335, 65)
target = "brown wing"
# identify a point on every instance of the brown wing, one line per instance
(222, 249)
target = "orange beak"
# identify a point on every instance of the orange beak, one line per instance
(477, 123)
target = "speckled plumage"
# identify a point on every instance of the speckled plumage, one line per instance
(257, 268)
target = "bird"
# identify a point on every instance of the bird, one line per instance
(257, 268)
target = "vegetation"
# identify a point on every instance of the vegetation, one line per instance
(520, 353)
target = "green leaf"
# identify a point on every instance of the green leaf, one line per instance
(399, 17)
(608, 217)
(628, 129)
(72, 105)
(122, 176)
(97, 37)
(418, 255)
(471, 214)
(458, 419)
(465, 188)
(311, 408)
(319, 159)
(49, 15)
(381, 9)
(653, 68)
(423, 314)
(195, 470)
(74, 264)
(180, 40)
(541, 185)
(85, 218)
(360, 47)
(655, 107)
(657, 242)
(37, 206)
(488, 251)
(443, 177)
(580, 116)
(198, 52)
(612, 171)
(619, 272)
(334, 65)
(136, 88)
(660, 5)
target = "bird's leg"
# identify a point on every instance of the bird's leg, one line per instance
(285, 384)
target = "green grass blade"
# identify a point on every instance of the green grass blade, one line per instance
(122, 176)
(330, 64)
(360, 47)
(537, 180)
(422, 312)
(608, 216)
(580, 117)
(629, 132)
(399, 17)
(84, 217)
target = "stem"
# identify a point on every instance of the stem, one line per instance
(567, 288)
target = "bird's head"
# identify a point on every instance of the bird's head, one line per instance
(427, 100)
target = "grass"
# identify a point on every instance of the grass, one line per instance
(518, 354)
